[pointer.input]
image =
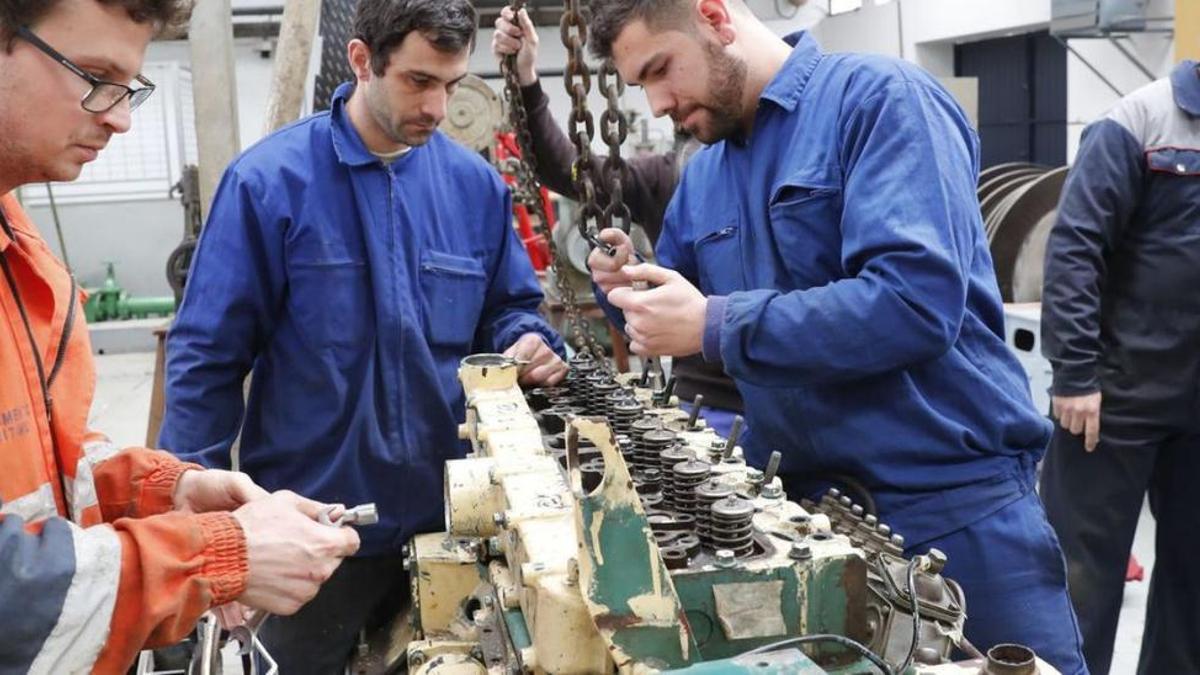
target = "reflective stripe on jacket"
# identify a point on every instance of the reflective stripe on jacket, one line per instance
(76, 594)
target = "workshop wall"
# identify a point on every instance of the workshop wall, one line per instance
(925, 31)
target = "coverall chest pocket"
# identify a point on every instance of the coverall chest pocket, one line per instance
(1175, 176)
(453, 288)
(719, 260)
(806, 228)
(332, 302)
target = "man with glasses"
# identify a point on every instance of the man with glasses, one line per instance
(104, 551)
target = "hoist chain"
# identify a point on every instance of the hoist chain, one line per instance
(529, 194)
(614, 128)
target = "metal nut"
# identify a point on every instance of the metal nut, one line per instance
(725, 558)
(800, 551)
(937, 561)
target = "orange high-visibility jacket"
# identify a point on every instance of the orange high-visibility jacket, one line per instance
(93, 565)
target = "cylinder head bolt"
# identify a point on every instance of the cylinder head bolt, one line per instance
(734, 432)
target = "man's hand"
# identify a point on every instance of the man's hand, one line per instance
(214, 490)
(1079, 415)
(609, 271)
(542, 367)
(231, 615)
(517, 37)
(668, 319)
(290, 553)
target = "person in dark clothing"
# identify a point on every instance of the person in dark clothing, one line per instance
(1121, 327)
(647, 184)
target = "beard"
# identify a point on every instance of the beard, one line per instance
(411, 131)
(726, 87)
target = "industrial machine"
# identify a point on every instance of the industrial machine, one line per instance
(598, 528)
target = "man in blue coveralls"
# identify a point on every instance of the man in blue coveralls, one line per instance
(827, 248)
(352, 260)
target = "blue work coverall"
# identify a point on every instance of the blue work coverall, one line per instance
(853, 300)
(1121, 316)
(353, 289)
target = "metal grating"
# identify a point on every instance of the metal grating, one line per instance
(337, 23)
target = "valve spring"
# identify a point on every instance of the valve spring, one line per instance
(577, 377)
(707, 494)
(615, 398)
(638, 430)
(732, 525)
(602, 388)
(654, 442)
(625, 445)
(687, 476)
(625, 411)
(648, 482)
(674, 454)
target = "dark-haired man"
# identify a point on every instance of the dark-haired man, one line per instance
(647, 181)
(103, 551)
(352, 260)
(827, 249)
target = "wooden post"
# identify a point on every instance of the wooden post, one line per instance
(214, 90)
(292, 56)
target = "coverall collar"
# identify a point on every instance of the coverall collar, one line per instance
(788, 84)
(347, 144)
(1185, 81)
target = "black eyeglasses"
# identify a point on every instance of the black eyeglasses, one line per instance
(103, 96)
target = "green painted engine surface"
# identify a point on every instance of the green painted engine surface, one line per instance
(815, 598)
(783, 662)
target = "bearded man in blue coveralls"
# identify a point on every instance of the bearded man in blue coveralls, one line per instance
(827, 247)
(352, 260)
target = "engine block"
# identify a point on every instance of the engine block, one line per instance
(598, 528)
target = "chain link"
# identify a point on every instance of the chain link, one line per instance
(529, 194)
(614, 129)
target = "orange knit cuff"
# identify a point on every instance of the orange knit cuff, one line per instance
(158, 488)
(226, 565)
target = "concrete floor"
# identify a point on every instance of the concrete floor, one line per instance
(122, 403)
